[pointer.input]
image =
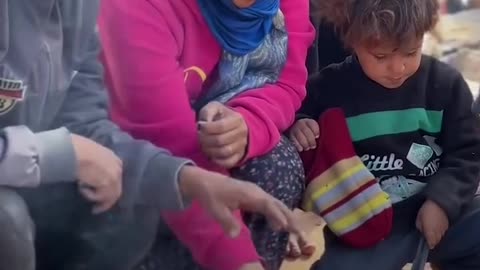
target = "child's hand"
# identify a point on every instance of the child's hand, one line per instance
(432, 221)
(304, 134)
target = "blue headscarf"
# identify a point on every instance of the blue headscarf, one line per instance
(237, 74)
(239, 30)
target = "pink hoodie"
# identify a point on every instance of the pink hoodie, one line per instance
(158, 54)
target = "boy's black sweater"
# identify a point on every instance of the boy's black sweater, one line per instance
(424, 130)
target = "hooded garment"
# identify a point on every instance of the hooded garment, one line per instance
(51, 86)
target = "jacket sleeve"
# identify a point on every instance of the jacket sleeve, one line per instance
(270, 110)
(28, 159)
(150, 173)
(141, 56)
(455, 183)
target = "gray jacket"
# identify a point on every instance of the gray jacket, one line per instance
(50, 85)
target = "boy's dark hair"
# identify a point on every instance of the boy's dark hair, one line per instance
(397, 21)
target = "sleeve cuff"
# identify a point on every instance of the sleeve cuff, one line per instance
(251, 149)
(19, 164)
(56, 156)
(160, 187)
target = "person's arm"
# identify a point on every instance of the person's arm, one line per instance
(141, 55)
(456, 182)
(270, 110)
(148, 170)
(28, 159)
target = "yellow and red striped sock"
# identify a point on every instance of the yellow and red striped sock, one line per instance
(342, 190)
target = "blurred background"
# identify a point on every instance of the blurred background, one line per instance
(456, 38)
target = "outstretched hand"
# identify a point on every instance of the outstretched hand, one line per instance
(221, 195)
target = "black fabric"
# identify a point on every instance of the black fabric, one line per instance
(327, 49)
(69, 237)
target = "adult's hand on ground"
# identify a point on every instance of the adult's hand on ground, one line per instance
(99, 173)
(223, 134)
(221, 195)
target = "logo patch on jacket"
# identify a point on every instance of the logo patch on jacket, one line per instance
(11, 91)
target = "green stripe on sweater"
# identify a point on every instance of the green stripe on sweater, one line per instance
(375, 124)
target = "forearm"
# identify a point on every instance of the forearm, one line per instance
(30, 159)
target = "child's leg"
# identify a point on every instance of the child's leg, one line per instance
(390, 254)
(460, 247)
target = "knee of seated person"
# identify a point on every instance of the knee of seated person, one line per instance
(283, 157)
(280, 173)
(285, 160)
(14, 215)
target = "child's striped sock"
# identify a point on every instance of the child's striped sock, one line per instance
(342, 190)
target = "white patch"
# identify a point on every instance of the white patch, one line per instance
(419, 154)
(11, 91)
(400, 188)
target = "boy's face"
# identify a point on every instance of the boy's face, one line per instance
(387, 64)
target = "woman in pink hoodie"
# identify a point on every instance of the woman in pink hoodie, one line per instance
(217, 81)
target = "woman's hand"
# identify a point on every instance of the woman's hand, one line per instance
(221, 195)
(223, 134)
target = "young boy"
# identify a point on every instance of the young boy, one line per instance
(409, 117)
